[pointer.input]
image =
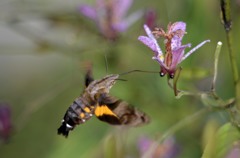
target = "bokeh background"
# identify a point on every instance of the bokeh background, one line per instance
(44, 46)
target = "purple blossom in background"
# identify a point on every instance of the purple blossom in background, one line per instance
(110, 16)
(234, 151)
(150, 18)
(168, 149)
(5, 121)
(173, 46)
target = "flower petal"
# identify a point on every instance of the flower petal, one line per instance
(120, 7)
(5, 121)
(151, 18)
(122, 25)
(177, 26)
(88, 11)
(149, 32)
(194, 49)
(177, 56)
(153, 46)
(178, 30)
(151, 36)
(149, 42)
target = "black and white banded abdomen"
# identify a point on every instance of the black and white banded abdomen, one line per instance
(76, 114)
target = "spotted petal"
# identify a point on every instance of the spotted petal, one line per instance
(177, 26)
(151, 36)
(177, 39)
(149, 42)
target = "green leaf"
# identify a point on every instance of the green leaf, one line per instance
(209, 132)
(219, 145)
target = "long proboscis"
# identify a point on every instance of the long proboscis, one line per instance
(124, 73)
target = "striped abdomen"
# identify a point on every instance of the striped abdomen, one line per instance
(79, 112)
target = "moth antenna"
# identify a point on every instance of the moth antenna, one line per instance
(128, 72)
(106, 63)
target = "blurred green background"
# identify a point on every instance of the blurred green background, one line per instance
(44, 45)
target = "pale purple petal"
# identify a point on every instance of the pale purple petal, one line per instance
(177, 55)
(149, 42)
(194, 49)
(149, 32)
(123, 25)
(120, 27)
(153, 46)
(121, 7)
(160, 59)
(143, 144)
(168, 149)
(88, 11)
(176, 42)
(234, 152)
(177, 26)
(151, 36)
(172, 148)
(101, 3)
(177, 39)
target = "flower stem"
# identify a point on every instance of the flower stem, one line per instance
(234, 69)
(226, 18)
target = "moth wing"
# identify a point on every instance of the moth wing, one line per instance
(88, 77)
(118, 112)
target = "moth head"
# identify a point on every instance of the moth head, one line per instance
(110, 80)
(106, 83)
(102, 85)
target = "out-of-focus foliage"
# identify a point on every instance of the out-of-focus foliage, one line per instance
(220, 144)
(44, 47)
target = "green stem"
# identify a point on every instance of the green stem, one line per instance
(226, 18)
(234, 68)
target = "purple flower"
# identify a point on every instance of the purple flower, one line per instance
(173, 46)
(234, 151)
(150, 18)
(168, 149)
(110, 16)
(5, 121)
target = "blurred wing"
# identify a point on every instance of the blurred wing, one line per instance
(105, 114)
(117, 112)
(89, 76)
